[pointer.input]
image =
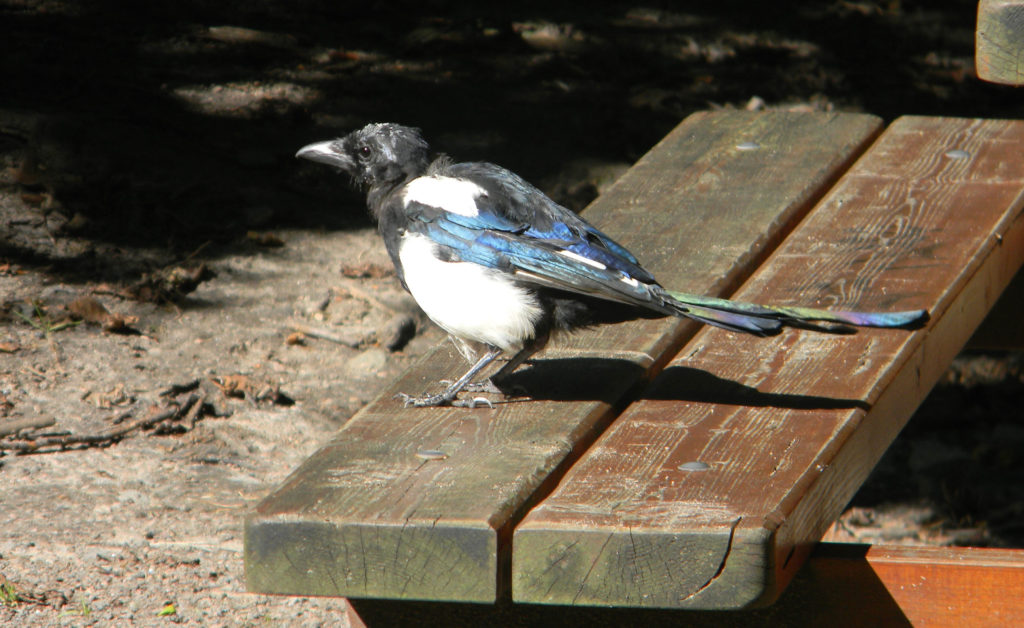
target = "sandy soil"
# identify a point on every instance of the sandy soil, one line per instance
(141, 149)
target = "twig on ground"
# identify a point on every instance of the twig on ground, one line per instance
(193, 412)
(354, 340)
(121, 418)
(107, 437)
(34, 423)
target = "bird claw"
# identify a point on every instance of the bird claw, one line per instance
(427, 401)
(472, 403)
(433, 401)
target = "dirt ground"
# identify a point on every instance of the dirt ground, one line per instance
(187, 312)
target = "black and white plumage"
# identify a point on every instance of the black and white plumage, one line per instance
(495, 262)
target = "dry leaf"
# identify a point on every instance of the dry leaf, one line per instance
(90, 310)
(169, 284)
(115, 397)
(243, 386)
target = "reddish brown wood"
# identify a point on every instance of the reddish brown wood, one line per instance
(939, 586)
(789, 427)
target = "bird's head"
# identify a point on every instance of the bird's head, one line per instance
(381, 153)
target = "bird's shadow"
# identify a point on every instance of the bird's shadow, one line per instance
(612, 380)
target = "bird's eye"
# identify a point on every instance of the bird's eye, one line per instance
(364, 151)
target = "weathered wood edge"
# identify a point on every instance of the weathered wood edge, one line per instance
(305, 560)
(842, 585)
(953, 325)
(786, 549)
(999, 41)
(777, 549)
(309, 551)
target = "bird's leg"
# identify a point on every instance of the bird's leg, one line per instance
(517, 360)
(449, 394)
(494, 384)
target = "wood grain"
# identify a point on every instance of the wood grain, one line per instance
(999, 41)
(789, 427)
(841, 586)
(420, 503)
(931, 586)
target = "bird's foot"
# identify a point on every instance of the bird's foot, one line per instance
(425, 401)
(474, 402)
(434, 401)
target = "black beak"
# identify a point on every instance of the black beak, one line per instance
(329, 153)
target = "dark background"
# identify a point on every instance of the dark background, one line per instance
(161, 127)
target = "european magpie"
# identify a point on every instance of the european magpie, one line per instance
(496, 263)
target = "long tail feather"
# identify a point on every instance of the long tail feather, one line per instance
(734, 322)
(765, 320)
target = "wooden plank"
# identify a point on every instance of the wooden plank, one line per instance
(999, 41)
(375, 514)
(930, 586)
(789, 427)
(841, 585)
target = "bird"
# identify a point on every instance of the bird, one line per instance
(503, 268)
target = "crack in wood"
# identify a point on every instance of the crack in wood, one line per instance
(721, 565)
(597, 557)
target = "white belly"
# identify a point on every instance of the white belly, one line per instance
(467, 300)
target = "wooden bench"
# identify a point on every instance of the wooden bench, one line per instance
(999, 41)
(727, 457)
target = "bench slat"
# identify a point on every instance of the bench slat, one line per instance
(842, 585)
(999, 41)
(922, 586)
(373, 514)
(790, 426)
